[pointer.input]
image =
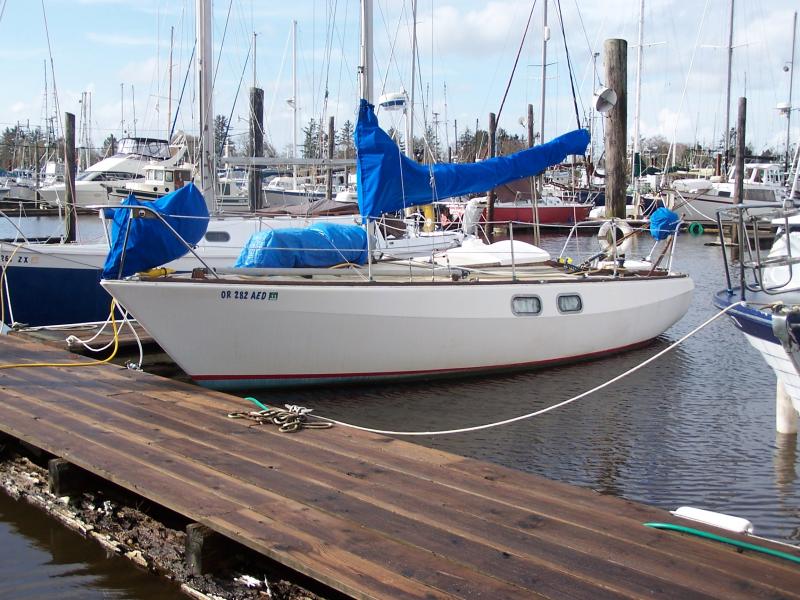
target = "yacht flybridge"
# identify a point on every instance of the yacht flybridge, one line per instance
(128, 164)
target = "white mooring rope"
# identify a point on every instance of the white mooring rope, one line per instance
(549, 408)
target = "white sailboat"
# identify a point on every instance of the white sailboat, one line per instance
(396, 320)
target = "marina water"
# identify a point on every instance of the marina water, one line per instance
(696, 427)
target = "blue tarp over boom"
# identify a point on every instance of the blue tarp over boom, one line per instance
(389, 181)
(150, 244)
(319, 245)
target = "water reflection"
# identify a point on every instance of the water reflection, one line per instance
(41, 559)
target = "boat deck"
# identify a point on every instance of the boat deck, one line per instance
(367, 515)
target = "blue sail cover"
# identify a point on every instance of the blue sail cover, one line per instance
(318, 245)
(389, 181)
(150, 244)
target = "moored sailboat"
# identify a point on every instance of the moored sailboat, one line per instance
(279, 327)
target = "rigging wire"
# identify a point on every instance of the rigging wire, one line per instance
(222, 45)
(516, 61)
(235, 98)
(671, 151)
(183, 89)
(52, 69)
(569, 66)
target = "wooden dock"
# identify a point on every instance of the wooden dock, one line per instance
(58, 336)
(369, 516)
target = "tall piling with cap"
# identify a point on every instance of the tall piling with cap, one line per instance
(329, 170)
(255, 196)
(70, 173)
(532, 180)
(615, 60)
(492, 153)
(737, 228)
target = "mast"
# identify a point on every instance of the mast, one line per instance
(255, 35)
(791, 83)
(294, 103)
(545, 37)
(365, 91)
(728, 94)
(410, 107)
(205, 59)
(637, 107)
(169, 92)
(133, 103)
(365, 66)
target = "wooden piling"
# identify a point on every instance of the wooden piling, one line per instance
(64, 478)
(206, 550)
(615, 59)
(329, 170)
(70, 172)
(737, 232)
(492, 153)
(254, 194)
(532, 181)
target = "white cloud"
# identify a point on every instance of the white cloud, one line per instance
(115, 39)
(139, 72)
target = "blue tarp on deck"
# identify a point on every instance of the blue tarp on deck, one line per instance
(319, 245)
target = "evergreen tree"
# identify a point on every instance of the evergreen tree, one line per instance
(311, 140)
(221, 132)
(109, 145)
(344, 140)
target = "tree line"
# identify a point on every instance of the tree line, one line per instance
(24, 147)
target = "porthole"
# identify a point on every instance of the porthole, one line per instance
(569, 303)
(218, 236)
(526, 305)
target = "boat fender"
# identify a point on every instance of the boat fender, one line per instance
(695, 229)
(622, 237)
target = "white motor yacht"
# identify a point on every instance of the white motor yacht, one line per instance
(126, 165)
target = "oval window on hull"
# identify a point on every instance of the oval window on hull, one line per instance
(526, 305)
(570, 303)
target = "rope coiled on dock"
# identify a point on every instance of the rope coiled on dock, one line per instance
(289, 420)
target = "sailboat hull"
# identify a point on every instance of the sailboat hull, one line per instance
(233, 335)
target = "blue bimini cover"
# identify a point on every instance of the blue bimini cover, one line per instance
(319, 245)
(663, 223)
(150, 244)
(389, 181)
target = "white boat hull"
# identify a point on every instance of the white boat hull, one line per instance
(233, 335)
(780, 362)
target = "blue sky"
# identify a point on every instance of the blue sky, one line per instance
(119, 51)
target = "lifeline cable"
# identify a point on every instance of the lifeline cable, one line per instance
(549, 408)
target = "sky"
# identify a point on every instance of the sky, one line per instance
(118, 51)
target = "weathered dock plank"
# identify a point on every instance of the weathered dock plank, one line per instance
(370, 516)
